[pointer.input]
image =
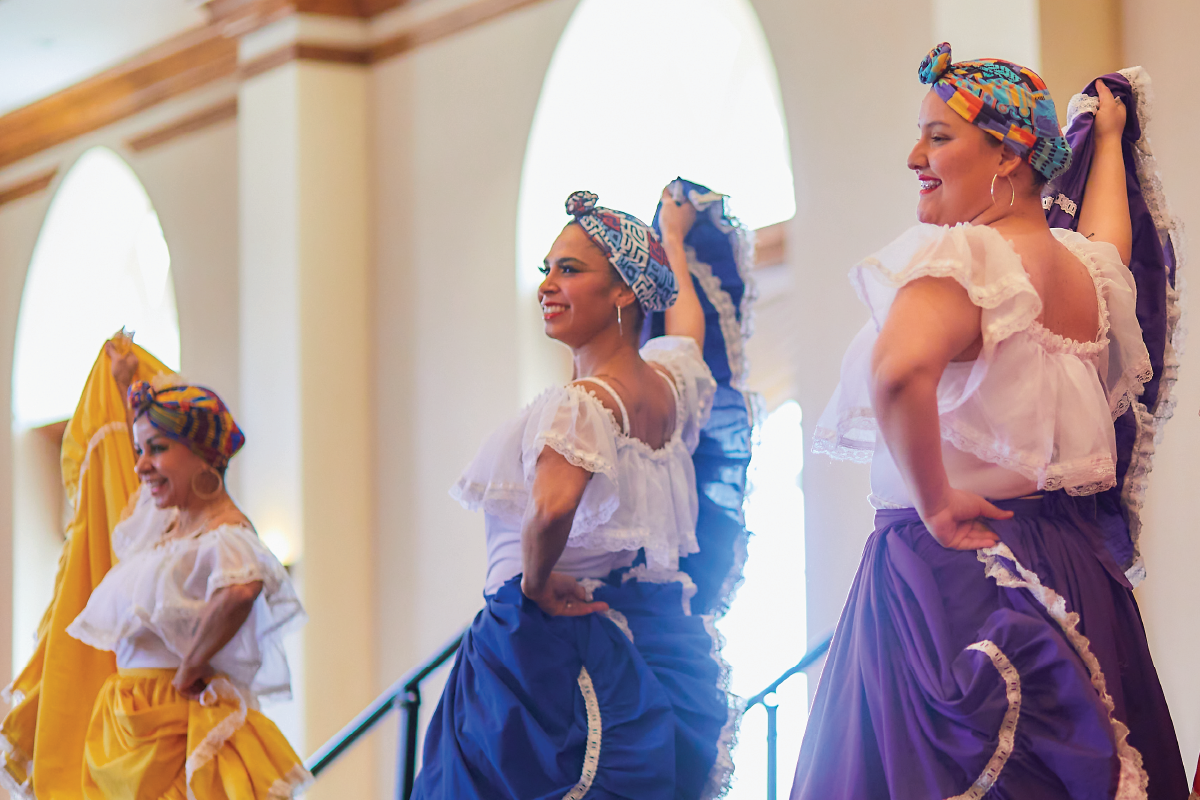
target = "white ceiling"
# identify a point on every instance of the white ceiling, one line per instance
(47, 45)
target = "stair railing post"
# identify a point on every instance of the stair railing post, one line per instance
(410, 718)
(772, 736)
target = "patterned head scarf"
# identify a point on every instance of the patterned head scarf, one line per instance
(1007, 100)
(192, 415)
(632, 248)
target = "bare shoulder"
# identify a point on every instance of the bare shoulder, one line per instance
(232, 517)
(602, 394)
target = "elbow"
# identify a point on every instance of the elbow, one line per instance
(551, 512)
(892, 378)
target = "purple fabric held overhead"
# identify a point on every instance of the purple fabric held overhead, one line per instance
(1152, 264)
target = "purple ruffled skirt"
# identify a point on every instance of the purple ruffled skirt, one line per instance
(1017, 672)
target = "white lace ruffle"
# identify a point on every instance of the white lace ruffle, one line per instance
(637, 497)
(1033, 402)
(646, 574)
(591, 753)
(295, 782)
(10, 753)
(1007, 736)
(218, 690)
(162, 589)
(1133, 780)
(720, 776)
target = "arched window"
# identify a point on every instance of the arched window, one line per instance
(100, 263)
(641, 91)
(637, 93)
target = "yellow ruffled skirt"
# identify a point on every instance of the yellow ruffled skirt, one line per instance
(148, 742)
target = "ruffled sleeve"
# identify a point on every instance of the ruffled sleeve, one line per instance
(1126, 364)
(975, 256)
(693, 380)
(230, 556)
(981, 261)
(163, 590)
(569, 420)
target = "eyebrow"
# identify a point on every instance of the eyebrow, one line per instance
(931, 123)
(565, 260)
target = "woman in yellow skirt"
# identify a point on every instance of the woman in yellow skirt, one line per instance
(195, 612)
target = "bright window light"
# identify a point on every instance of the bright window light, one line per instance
(765, 628)
(101, 263)
(641, 91)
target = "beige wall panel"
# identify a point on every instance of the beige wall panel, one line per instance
(305, 359)
(851, 116)
(450, 129)
(192, 182)
(1160, 35)
(1081, 40)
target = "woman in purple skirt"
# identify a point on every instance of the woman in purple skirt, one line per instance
(992, 647)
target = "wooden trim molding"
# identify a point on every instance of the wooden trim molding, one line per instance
(227, 109)
(173, 69)
(448, 24)
(33, 185)
(226, 10)
(198, 57)
(303, 52)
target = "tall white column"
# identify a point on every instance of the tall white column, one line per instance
(305, 385)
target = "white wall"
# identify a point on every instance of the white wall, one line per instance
(848, 75)
(450, 128)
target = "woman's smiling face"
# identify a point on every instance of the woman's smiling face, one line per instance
(165, 465)
(955, 162)
(581, 291)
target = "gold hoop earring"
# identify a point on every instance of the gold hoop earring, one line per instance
(1013, 189)
(208, 495)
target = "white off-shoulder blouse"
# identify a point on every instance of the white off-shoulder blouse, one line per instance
(149, 606)
(638, 497)
(1033, 403)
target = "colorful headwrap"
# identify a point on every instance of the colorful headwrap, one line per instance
(631, 246)
(192, 415)
(1006, 100)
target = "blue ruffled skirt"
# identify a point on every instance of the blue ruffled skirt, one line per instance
(576, 707)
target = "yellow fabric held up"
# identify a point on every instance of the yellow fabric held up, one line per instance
(53, 695)
(148, 742)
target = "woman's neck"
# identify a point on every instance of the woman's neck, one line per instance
(1024, 214)
(196, 516)
(606, 353)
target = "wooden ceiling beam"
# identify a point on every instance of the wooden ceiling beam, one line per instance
(204, 55)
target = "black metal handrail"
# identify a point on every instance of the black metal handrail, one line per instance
(808, 659)
(404, 696)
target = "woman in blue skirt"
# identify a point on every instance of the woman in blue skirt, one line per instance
(586, 675)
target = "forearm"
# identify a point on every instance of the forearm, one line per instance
(223, 617)
(543, 540)
(1104, 215)
(685, 317)
(906, 411)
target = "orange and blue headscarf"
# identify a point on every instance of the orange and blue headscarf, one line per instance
(1005, 99)
(190, 414)
(631, 246)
